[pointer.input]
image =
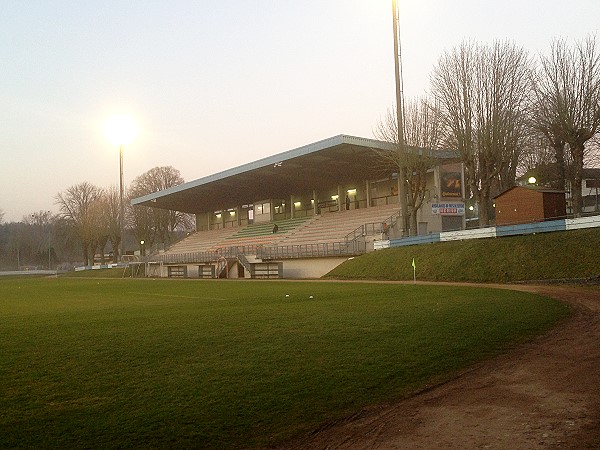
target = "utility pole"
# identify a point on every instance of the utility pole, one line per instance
(400, 119)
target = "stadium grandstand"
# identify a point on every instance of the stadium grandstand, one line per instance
(300, 213)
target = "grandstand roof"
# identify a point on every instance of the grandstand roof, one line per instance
(340, 160)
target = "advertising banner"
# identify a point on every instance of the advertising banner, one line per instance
(448, 209)
(451, 181)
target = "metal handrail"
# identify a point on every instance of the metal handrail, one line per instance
(318, 250)
(189, 257)
(372, 228)
(244, 262)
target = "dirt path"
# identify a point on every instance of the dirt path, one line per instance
(545, 394)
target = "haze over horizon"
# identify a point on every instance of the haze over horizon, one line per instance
(214, 85)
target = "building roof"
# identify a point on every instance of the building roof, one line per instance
(540, 189)
(591, 173)
(339, 160)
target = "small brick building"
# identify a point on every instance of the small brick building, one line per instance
(522, 204)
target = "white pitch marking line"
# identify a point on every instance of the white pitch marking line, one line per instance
(176, 296)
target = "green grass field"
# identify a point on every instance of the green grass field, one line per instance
(214, 364)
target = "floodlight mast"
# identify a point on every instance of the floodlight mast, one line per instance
(400, 122)
(121, 203)
(121, 130)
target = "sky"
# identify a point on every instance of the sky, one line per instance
(213, 85)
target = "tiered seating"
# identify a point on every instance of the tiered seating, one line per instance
(201, 241)
(334, 227)
(256, 234)
(262, 233)
(327, 228)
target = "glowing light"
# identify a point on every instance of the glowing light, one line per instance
(532, 180)
(120, 130)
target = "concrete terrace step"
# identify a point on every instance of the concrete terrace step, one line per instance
(326, 228)
(200, 241)
(334, 227)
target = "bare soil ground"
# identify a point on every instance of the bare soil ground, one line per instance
(545, 394)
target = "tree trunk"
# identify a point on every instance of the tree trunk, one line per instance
(559, 154)
(413, 221)
(577, 151)
(86, 254)
(101, 246)
(115, 241)
(484, 207)
(402, 200)
(92, 253)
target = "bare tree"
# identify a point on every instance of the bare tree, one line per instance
(19, 244)
(538, 160)
(141, 219)
(102, 217)
(78, 207)
(152, 224)
(110, 213)
(567, 97)
(592, 147)
(422, 134)
(483, 93)
(547, 125)
(41, 226)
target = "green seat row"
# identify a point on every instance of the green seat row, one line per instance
(264, 229)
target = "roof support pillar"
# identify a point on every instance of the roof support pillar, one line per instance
(315, 203)
(292, 206)
(340, 199)
(368, 192)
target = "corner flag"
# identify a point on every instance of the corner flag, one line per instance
(414, 266)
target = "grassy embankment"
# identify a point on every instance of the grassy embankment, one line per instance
(165, 363)
(544, 256)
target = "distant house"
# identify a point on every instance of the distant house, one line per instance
(547, 175)
(590, 190)
(523, 204)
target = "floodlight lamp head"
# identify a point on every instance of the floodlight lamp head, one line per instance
(120, 130)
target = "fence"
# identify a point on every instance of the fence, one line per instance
(499, 231)
(185, 258)
(353, 245)
(322, 250)
(372, 229)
